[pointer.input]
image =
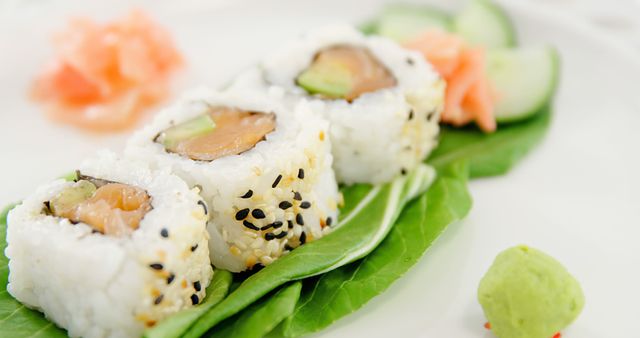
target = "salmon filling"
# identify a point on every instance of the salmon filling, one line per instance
(112, 209)
(218, 133)
(345, 72)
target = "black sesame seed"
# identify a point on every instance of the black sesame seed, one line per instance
(410, 61)
(430, 115)
(329, 221)
(170, 278)
(290, 224)
(410, 114)
(158, 300)
(258, 214)
(193, 248)
(303, 238)
(242, 214)
(247, 194)
(204, 206)
(282, 234)
(269, 236)
(250, 225)
(275, 183)
(288, 247)
(164, 233)
(284, 205)
(299, 219)
(197, 286)
(156, 266)
(297, 196)
(274, 225)
(403, 171)
(94, 231)
(301, 173)
(194, 299)
(266, 227)
(305, 205)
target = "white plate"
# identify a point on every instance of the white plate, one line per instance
(576, 197)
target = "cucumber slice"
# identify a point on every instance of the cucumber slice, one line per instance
(404, 22)
(72, 196)
(369, 27)
(195, 127)
(483, 23)
(326, 77)
(524, 79)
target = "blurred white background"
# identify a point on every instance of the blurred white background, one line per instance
(25, 44)
(621, 18)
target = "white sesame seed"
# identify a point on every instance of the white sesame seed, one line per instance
(272, 246)
(271, 217)
(241, 245)
(266, 260)
(258, 242)
(279, 250)
(268, 248)
(225, 235)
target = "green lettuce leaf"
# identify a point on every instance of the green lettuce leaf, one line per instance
(344, 290)
(491, 154)
(359, 232)
(487, 154)
(261, 317)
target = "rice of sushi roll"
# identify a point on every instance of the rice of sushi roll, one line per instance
(383, 101)
(265, 172)
(113, 252)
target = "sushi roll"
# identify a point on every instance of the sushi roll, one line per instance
(265, 172)
(111, 253)
(383, 101)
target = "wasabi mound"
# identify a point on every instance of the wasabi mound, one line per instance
(528, 294)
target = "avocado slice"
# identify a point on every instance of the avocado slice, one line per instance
(189, 129)
(71, 196)
(328, 78)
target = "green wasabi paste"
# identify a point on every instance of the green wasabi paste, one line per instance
(528, 294)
